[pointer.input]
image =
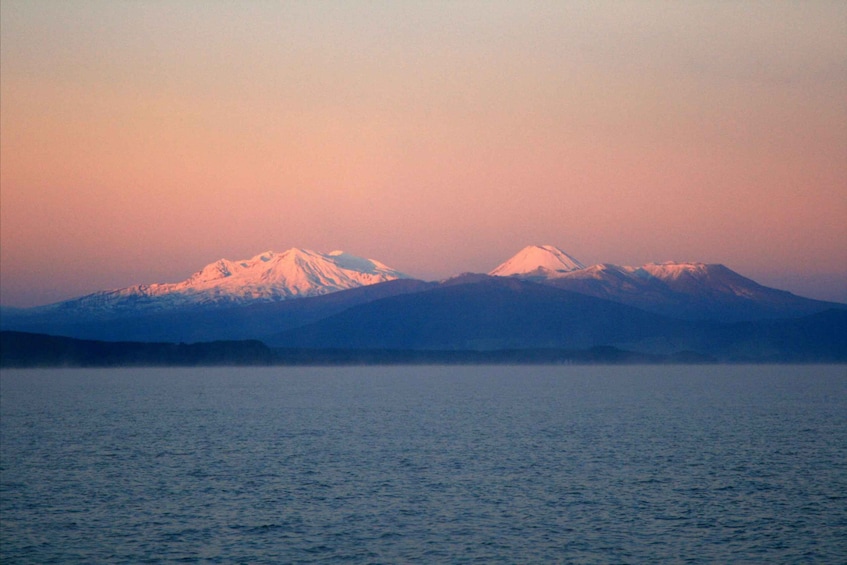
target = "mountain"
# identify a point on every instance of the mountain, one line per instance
(693, 291)
(538, 261)
(473, 319)
(541, 298)
(476, 313)
(233, 322)
(267, 277)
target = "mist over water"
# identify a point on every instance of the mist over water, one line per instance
(434, 464)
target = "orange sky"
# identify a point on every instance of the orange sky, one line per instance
(140, 141)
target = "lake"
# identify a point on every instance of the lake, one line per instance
(586, 464)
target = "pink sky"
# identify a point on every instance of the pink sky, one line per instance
(140, 141)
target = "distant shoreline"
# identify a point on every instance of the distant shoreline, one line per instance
(29, 350)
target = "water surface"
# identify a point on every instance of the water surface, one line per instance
(434, 464)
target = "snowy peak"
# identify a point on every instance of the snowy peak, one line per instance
(538, 260)
(267, 277)
(705, 278)
(682, 277)
(293, 273)
(673, 270)
(214, 271)
(687, 290)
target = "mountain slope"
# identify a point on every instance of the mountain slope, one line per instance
(484, 314)
(267, 277)
(511, 314)
(694, 291)
(549, 304)
(192, 324)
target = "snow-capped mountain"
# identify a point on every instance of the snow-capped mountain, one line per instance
(276, 276)
(538, 261)
(267, 277)
(250, 298)
(680, 289)
(683, 277)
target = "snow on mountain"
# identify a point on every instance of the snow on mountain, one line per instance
(682, 278)
(267, 277)
(294, 273)
(713, 279)
(538, 261)
(682, 290)
(547, 262)
(689, 290)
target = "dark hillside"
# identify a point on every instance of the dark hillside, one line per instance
(19, 349)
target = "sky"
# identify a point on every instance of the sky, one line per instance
(142, 140)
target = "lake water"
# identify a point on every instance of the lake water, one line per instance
(425, 464)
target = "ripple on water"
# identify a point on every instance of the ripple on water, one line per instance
(533, 464)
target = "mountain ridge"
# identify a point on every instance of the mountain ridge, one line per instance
(307, 287)
(682, 289)
(502, 313)
(266, 277)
